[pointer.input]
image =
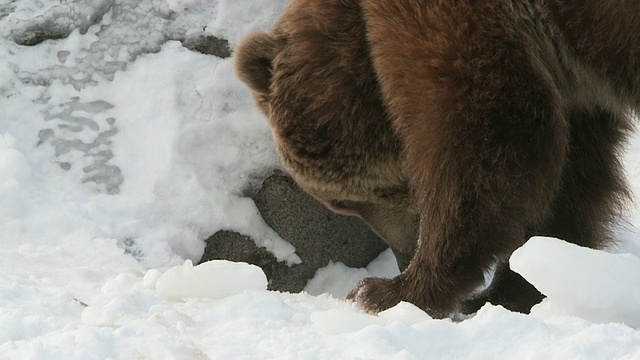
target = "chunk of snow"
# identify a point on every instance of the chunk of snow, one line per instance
(593, 284)
(212, 279)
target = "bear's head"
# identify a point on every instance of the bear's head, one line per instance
(312, 76)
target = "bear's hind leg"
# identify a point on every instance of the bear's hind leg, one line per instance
(591, 195)
(593, 188)
(507, 289)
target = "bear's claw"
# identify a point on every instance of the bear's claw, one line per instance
(376, 294)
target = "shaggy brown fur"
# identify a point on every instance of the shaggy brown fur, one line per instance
(453, 128)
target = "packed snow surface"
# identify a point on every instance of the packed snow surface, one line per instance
(121, 151)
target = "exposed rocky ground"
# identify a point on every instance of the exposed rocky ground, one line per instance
(319, 236)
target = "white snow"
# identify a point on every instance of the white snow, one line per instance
(121, 151)
(337, 279)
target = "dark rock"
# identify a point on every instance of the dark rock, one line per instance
(208, 45)
(318, 235)
(36, 35)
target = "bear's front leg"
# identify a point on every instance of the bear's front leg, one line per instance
(478, 191)
(470, 86)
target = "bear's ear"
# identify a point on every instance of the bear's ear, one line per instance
(253, 61)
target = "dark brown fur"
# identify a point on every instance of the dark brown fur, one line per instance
(465, 125)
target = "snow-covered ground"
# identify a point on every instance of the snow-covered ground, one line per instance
(121, 151)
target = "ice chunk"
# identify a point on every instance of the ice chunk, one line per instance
(213, 279)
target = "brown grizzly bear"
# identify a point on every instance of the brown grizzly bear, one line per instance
(455, 129)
